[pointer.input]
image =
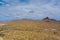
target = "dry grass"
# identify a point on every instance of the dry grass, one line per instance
(33, 24)
(32, 35)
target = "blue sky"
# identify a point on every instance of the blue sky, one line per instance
(29, 9)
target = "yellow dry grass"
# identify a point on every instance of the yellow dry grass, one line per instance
(33, 34)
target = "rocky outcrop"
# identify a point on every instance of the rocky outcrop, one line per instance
(47, 19)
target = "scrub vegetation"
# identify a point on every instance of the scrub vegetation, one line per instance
(31, 30)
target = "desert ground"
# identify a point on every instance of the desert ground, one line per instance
(30, 30)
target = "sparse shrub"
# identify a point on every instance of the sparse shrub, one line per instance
(1, 35)
(1, 29)
(55, 32)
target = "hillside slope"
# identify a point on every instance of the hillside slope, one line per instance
(32, 30)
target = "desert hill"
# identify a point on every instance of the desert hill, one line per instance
(44, 23)
(46, 29)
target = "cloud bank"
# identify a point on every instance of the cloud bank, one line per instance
(29, 9)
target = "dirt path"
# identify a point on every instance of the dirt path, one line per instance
(2, 24)
(1, 38)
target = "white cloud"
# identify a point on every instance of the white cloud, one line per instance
(36, 9)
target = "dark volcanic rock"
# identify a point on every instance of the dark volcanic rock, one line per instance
(47, 19)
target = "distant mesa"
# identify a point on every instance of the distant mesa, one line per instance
(47, 19)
